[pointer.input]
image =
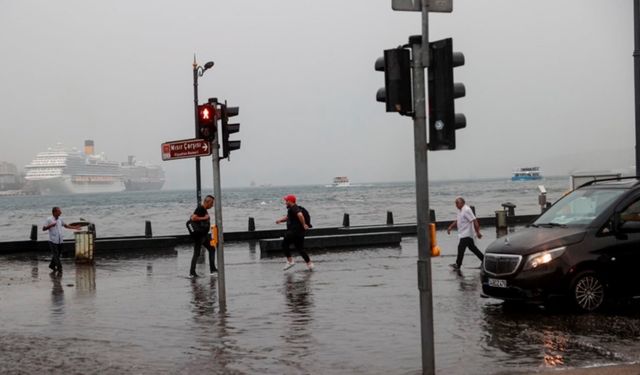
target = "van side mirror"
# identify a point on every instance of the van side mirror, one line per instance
(615, 222)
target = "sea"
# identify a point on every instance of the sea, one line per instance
(125, 213)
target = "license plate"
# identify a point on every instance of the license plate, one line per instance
(497, 283)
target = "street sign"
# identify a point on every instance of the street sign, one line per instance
(186, 148)
(438, 6)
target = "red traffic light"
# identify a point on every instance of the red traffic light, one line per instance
(206, 114)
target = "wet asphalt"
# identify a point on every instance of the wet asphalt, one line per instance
(356, 313)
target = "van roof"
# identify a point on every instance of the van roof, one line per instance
(616, 182)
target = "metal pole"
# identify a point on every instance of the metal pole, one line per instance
(420, 53)
(217, 191)
(195, 110)
(636, 68)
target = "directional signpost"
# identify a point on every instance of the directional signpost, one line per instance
(186, 148)
(443, 6)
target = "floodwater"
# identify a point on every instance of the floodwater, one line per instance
(357, 313)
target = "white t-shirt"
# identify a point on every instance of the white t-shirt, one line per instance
(55, 232)
(465, 222)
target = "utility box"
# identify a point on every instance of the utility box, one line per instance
(501, 219)
(85, 245)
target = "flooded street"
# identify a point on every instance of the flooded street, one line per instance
(357, 313)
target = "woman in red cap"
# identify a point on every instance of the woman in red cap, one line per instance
(296, 227)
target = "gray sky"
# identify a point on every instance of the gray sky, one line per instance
(549, 83)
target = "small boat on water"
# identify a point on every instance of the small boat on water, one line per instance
(340, 181)
(526, 174)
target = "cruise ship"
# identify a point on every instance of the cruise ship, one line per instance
(63, 171)
(139, 176)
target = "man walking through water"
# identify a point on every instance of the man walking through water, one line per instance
(54, 225)
(296, 227)
(201, 224)
(466, 223)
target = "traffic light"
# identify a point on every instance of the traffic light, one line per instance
(443, 119)
(227, 145)
(206, 121)
(396, 65)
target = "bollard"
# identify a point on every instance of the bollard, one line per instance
(147, 229)
(501, 219)
(432, 216)
(510, 208)
(501, 232)
(34, 233)
(252, 225)
(345, 220)
(389, 218)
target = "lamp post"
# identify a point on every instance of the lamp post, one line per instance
(198, 71)
(636, 70)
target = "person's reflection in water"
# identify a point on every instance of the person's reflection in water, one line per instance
(210, 329)
(299, 312)
(57, 297)
(470, 284)
(34, 268)
(204, 301)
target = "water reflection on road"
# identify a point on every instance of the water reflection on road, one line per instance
(357, 313)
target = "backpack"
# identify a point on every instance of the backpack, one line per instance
(307, 217)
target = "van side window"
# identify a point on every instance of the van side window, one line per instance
(631, 214)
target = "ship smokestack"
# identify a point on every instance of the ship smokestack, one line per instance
(88, 147)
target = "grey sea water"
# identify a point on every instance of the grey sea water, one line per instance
(120, 214)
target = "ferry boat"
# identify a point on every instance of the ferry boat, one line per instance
(340, 181)
(140, 176)
(526, 174)
(68, 171)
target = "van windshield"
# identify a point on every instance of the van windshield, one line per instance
(580, 207)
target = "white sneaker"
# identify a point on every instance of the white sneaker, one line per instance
(288, 265)
(310, 266)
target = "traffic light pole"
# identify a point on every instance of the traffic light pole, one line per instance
(217, 191)
(420, 53)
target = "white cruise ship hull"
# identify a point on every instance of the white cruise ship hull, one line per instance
(65, 184)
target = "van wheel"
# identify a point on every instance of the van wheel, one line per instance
(588, 291)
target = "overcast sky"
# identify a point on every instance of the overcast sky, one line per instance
(549, 83)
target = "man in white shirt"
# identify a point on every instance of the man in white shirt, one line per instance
(54, 225)
(466, 223)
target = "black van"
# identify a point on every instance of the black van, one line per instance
(584, 248)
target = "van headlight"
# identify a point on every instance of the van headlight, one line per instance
(543, 257)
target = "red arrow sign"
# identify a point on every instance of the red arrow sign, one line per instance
(186, 148)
